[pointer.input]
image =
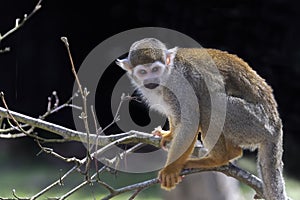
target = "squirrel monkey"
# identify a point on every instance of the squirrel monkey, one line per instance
(251, 120)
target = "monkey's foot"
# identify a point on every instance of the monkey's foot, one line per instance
(169, 177)
(166, 136)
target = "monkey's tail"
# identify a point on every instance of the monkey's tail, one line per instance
(270, 168)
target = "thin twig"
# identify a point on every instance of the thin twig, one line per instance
(135, 193)
(19, 23)
(52, 152)
(19, 127)
(56, 107)
(12, 136)
(110, 145)
(94, 118)
(117, 116)
(72, 191)
(114, 161)
(9, 114)
(16, 196)
(68, 134)
(66, 104)
(96, 128)
(10, 129)
(84, 93)
(65, 41)
(50, 110)
(57, 182)
(75, 189)
(132, 187)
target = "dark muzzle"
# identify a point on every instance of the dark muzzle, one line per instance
(151, 83)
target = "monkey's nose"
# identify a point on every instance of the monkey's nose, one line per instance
(151, 85)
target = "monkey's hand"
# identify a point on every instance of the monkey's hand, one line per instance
(169, 176)
(166, 136)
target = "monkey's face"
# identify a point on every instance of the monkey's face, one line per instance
(159, 63)
(149, 75)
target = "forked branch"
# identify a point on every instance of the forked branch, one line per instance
(19, 23)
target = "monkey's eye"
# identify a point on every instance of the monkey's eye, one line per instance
(155, 69)
(142, 72)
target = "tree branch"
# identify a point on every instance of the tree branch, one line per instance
(19, 23)
(42, 124)
(125, 138)
(73, 135)
(230, 170)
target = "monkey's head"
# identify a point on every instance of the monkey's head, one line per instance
(149, 62)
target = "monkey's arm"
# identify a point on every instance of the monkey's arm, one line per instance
(182, 145)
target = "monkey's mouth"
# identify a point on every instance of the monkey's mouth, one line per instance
(151, 85)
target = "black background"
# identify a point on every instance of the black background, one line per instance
(263, 33)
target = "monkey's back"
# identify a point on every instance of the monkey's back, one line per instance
(240, 80)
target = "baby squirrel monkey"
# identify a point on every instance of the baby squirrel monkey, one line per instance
(251, 120)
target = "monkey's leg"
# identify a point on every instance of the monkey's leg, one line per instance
(234, 152)
(221, 154)
(169, 176)
(166, 136)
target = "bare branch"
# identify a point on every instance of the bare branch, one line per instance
(235, 172)
(133, 187)
(57, 182)
(55, 107)
(66, 104)
(84, 115)
(92, 179)
(50, 110)
(19, 23)
(10, 129)
(65, 41)
(72, 135)
(12, 136)
(52, 152)
(117, 116)
(129, 137)
(135, 193)
(68, 134)
(16, 196)
(230, 170)
(114, 161)
(19, 128)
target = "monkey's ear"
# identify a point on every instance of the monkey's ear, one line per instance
(124, 64)
(170, 55)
